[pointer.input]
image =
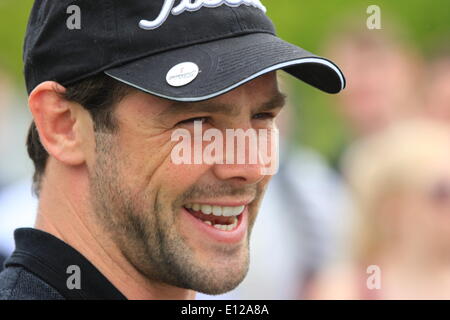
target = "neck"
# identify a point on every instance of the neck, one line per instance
(65, 212)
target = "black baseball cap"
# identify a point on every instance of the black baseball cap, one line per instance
(188, 50)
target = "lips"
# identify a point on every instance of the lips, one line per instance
(222, 223)
(224, 218)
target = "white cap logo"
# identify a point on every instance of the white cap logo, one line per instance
(182, 74)
(187, 5)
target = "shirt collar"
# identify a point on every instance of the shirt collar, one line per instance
(50, 258)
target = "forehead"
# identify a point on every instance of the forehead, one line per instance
(253, 94)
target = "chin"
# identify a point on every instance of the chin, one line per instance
(218, 274)
(222, 284)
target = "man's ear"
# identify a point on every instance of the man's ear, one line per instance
(58, 122)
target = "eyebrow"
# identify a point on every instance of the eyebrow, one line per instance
(177, 108)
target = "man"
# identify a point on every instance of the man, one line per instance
(109, 84)
(380, 93)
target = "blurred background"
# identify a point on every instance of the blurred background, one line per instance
(364, 177)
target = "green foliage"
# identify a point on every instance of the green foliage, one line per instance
(13, 20)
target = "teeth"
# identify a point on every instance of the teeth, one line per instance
(206, 209)
(220, 227)
(226, 227)
(216, 210)
(228, 211)
(235, 222)
(238, 210)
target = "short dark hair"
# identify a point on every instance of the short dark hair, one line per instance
(98, 95)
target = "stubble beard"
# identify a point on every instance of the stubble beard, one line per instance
(146, 234)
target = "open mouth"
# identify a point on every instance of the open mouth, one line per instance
(219, 217)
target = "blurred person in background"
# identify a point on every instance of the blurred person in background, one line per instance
(400, 181)
(383, 72)
(14, 118)
(437, 84)
(16, 201)
(18, 209)
(299, 233)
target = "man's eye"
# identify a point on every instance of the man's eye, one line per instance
(193, 120)
(264, 116)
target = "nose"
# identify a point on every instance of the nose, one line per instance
(250, 161)
(240, 169)
(242, 174)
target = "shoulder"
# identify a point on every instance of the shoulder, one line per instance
(17, 283)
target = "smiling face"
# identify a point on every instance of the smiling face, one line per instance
(182, 225)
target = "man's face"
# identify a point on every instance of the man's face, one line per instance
(156, 211)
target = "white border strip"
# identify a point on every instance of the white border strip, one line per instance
(273, 68)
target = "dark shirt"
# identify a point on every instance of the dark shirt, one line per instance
(42, 267)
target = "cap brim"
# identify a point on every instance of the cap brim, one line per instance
(227, 64)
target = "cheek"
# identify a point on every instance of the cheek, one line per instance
(262, 187)
(142, 159)
(177, 179)
(147, 166)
